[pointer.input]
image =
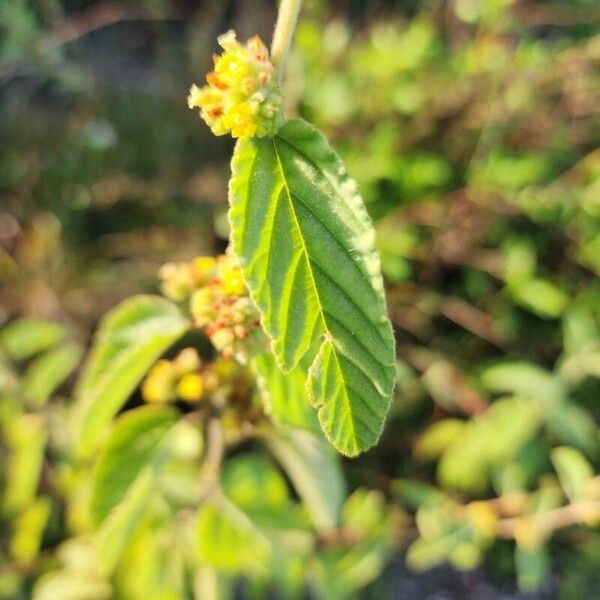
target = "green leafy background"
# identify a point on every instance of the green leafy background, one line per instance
(472, 131)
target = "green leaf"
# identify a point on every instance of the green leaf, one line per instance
(134, 445)
(23, 338)
(315, 472)
(284, 394)
(28, 529)
(253, 484)
(533, 567)
(117, 530)
(466, 462)
(308, 255)
(49, 371)
(26, 440)
(573, 469)
(436, 438)
(229, 541)
(525, 379)
(131, 337)
(541, 297)
(576, 426)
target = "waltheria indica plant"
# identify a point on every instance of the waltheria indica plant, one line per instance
(304, 240)
(265, 349)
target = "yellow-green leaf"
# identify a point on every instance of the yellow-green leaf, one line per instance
(308, 254)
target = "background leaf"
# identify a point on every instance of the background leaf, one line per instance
(315, 472)
(48, 372)
(308, 254)
(228, 540)
(23, 338)
(131, 337)
(573, 469)
(134, 445)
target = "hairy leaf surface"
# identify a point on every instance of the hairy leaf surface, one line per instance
(307, 249)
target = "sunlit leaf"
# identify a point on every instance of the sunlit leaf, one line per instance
(134, 444)
(574, 471)
(131, 337)
(435, 439)
(308, 255)
(23, 338)
(48, 372)
(26, 441)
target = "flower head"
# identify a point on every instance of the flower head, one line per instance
(242, 96)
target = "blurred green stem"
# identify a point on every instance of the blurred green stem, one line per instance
(283, 34)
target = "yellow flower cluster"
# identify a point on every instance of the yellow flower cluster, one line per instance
(187, 378)
(242, 96)
(219, 301)
(169, 380)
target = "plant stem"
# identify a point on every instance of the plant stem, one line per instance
(283, 34)
(215, 450)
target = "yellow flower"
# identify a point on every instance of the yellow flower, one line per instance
(231, 278)
(204, 268)
(242, 96)
(190, 387)
(158, 385)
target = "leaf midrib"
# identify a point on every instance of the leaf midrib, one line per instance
(328, 337)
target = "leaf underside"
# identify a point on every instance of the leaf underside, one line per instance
(307, 249)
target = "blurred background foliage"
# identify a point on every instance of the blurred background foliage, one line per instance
(472, 128)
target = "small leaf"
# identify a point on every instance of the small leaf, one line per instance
(23, 338)
(131, 337)
(307, 249)
(254, 485)
(49, 371)
(436, 438)
(466, 462)
(28, 529)
(541, 297)
(525, 379)
(576, 426)
(415, 493)
(134, 445)
(533, 567)
(574, 471)
(229, 541)
(26, 440)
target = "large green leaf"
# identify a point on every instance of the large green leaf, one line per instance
(134, 445)
(307, 249)
(130, 339)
